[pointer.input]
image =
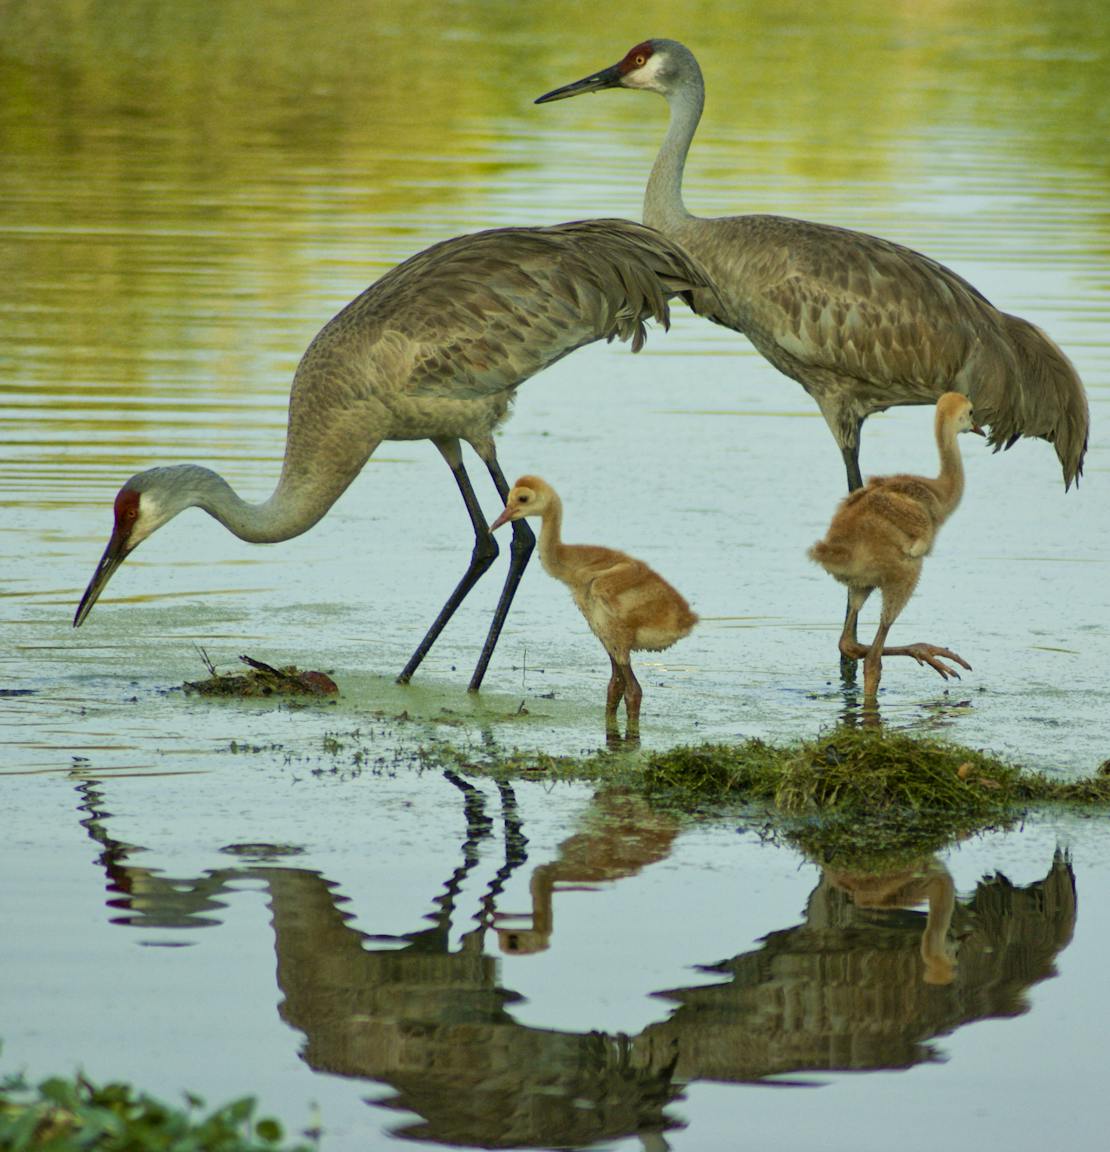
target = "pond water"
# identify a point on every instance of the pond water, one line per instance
(188, 193)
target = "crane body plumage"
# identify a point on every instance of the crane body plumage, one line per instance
(434, 349)
(862, 323)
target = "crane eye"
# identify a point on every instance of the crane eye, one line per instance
(639, 60)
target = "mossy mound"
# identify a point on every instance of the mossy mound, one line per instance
(852, 770)
(863, 772)
(860, 797)
(864, 797)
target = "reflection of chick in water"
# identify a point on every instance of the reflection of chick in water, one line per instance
(928, 882)
(623, 834)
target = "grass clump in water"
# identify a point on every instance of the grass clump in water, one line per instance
(864, 798)
(850, 770)
(862, 772)
(865, 772)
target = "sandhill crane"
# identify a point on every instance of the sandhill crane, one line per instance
(628, 606)
(861, 323)
(881, 534)
(433, 350)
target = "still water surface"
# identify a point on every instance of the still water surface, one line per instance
(188, 193)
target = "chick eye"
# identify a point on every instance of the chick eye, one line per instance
(523, 499)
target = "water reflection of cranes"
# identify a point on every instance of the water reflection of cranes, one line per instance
(867, 981)
(621, 834)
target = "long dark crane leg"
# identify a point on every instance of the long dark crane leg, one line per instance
(524, 541)
(484, 554)
(850, 454)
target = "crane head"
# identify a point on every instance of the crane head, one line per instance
(137, 514)
(643, 66)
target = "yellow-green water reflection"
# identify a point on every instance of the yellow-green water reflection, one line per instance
(188, 188)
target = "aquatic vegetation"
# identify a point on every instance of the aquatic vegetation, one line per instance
(855, 770)
(848, 770)
(65, 1115)
(862, 795)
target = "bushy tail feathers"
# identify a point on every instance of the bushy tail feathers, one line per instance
(1039, 393)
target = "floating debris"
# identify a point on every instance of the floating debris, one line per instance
(263, 680)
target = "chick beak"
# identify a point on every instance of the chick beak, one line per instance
(504, 518)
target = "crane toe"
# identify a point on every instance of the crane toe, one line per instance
(934, 656)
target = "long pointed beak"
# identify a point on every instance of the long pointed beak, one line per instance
(607, 78)
(114, 556)
(504, 518)
(977, 430)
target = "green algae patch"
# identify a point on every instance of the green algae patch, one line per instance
(866, 799)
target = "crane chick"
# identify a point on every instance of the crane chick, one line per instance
(881, 534)
(628, 606)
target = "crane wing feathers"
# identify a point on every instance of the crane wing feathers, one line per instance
(882, 324)
(482, 313)
(845, 301)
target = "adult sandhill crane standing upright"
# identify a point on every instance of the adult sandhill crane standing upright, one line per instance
(433, 350)
(860, 322)
(628, 605)
(881, 534)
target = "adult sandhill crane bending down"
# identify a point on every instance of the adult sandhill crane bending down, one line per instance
(861, 323)
(880, 536)
(433, 350)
